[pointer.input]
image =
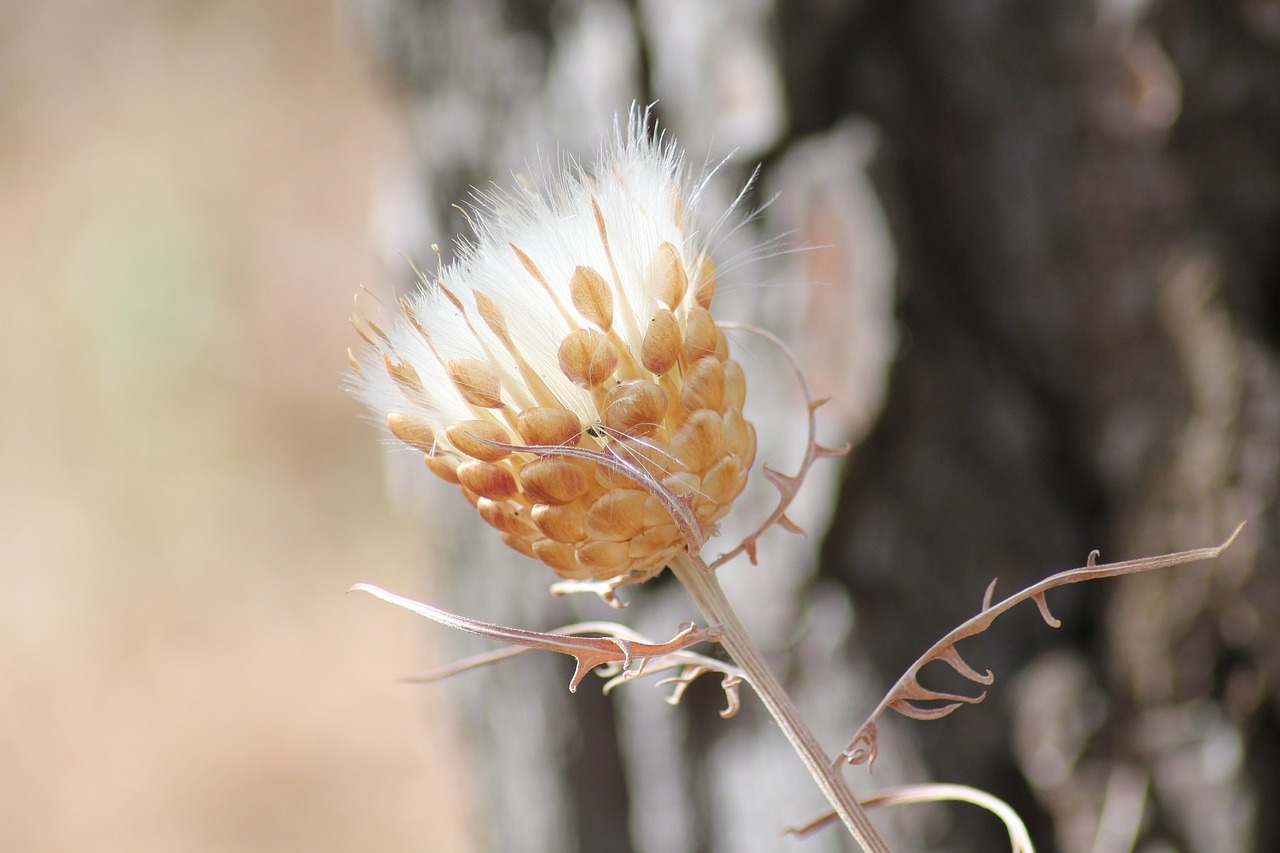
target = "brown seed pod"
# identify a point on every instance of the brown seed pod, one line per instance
(615, 516)
(592, 297)
(519, 543)
(735, 385)
(403, 374)
(559, 522)
(549, 425)
(699, 335)
(444, 466)
(653, 540)
(554, 481)
(723, 482)
(703, 385)
(558, 556)
(487, 480)
(667, 276)
(505, 516)
(705, 288)
(470, 437)
(493, 318)
(722, 345)
(636, 407)
(412, 431)
(587, 358)
(683, 483)
(697, 443)
(660, 348)
(477, 382)
(603, 559)
(655, 512)
(735, 432)
(748, 456)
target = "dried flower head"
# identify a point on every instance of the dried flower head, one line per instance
(566, 370)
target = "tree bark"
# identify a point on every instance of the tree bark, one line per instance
(1043, 295)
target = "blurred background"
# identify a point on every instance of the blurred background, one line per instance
(1040, 282)
(185, 197)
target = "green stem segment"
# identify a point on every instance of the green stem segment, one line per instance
(704, 588)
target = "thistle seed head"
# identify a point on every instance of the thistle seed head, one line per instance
(577, 318)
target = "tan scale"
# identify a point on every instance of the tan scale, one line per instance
(412, 431)
(473, 438)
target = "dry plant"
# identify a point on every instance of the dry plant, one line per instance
(568, 374)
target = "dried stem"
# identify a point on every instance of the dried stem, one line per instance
(704, 588)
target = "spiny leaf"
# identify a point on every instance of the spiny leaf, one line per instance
(908, 688)
(787, 485)
(589, 652)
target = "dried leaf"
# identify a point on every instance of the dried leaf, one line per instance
(787, 485)
(908, 689)
(589, 652)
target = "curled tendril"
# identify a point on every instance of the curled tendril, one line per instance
(1019, 838)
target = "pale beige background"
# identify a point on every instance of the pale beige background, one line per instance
(186, 492)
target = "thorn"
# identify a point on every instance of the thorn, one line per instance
(907, 709)
(1048, 617)
(986, 596)
(783, 482)
(951, 656)
(1093, 558)
(831, 452)
(1235, 534)
(790, 526)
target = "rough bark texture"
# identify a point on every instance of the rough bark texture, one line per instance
(1083, 203)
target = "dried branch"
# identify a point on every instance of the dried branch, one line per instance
(787, 485)
(908, 691)
(589, 652)
(691, 664)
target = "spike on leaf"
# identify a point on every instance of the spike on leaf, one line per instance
(1043, 604)
(788, 486)
(986, 596)
(790, 526)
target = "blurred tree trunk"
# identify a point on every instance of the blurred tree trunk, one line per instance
(1079, 266)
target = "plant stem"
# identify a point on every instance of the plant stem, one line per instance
(704, 588)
